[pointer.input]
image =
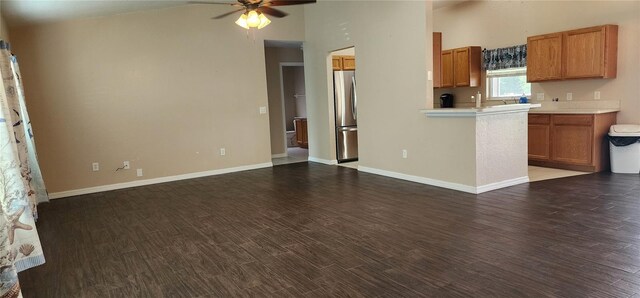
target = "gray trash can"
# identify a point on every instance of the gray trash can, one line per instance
(624, 146)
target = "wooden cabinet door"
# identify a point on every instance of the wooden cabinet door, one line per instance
(447, 68)
(302, 137)
(348, 63)
(544, 57)
(539, 136)
(572, 144)
(461, 67)
(305, 134)
(336, 62)
(585, 53)
(437, 59)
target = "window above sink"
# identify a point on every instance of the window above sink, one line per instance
(507, 83)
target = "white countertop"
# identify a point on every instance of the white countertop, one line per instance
(483, 111)
(574, 111)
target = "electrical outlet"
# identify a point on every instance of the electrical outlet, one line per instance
(569, 96)
(95, 166)
(596, 95)
(540, 96)
(139, 172)
(429, 75)
(263, 110)
(223, 151)
(126, 165)
(404, 153)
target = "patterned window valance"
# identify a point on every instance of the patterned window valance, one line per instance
(503, 58)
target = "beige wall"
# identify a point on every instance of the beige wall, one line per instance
(493, 24)
(393, 56)
(273, 57)
(164, 89)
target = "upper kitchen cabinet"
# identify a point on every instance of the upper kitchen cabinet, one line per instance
(544, 57)
(343, 62)
(466, 69)
(591, 52)
(348, 63)
(447, 69)
(437, 59)
(576, 54)
(336, 63)
(461, 67)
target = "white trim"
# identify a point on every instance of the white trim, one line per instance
(418, 179)
(502, 184)
(83, 191)
(279, 155)
(445, 184)
(324, 161)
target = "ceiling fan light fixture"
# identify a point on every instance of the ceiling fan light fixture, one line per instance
(264, 21)
(242, 21)
(253, 19)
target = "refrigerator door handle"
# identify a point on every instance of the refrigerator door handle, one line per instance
(348, 129)
(354, 99)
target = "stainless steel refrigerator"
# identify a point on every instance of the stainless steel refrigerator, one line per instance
(346, 111)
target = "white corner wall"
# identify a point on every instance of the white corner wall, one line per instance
(393, 56)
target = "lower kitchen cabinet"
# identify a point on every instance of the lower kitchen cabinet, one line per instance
(570, 141)
(539, 137)
(301, 132)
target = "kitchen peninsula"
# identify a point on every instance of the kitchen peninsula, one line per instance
(499, 142)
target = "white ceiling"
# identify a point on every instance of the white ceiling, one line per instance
(23, 12)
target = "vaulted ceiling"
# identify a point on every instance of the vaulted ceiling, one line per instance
(24, 12)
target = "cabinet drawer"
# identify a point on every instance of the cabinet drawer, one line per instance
(539, 119)
(572, 119)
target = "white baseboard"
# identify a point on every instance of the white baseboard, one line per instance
(324, 161)
(279, 155)
(83, 191)
(502, 184)
(418, 179)
(445, 184)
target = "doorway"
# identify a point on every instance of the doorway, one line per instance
(295, 114)
(287, 102)
(345, 102)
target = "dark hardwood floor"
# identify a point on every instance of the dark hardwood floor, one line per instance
(310, 230)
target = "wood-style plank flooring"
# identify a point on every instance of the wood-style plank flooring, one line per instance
(310, 230)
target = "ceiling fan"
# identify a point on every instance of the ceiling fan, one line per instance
(255, 10)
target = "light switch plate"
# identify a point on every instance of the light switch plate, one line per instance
(540, 96)
(596, 95)
(429, 75)
(569, 96)
(263, 110)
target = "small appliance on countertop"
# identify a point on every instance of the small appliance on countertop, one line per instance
(446, 100)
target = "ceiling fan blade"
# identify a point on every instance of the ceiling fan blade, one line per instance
(286, 2)
(227, 14)
(272, 11)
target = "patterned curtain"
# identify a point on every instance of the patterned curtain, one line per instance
(503, 58)
(21, 184)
